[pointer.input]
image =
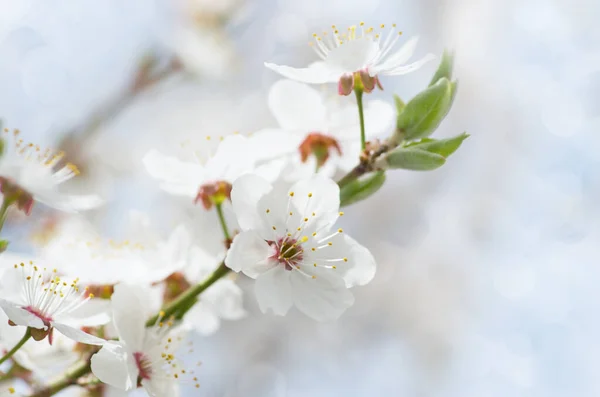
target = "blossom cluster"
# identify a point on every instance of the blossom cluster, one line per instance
(122, 309)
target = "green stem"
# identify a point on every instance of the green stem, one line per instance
(70, 378)
(361, 114)
(223, 222)
(4, 211)
(12, 351)
(180, 304)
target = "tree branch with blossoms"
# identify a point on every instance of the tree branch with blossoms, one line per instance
(286, 238)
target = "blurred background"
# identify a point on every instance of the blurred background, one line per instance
(488, 267)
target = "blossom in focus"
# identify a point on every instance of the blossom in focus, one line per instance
(28, 174)
(358, 53)
(318, 132)
(145, 354)
(208, 182)
(143, 259)
(47, 302)
(221, 301)
(288, 244)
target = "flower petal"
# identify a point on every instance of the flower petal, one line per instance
(361, 264)
(115, 367)
(202, 317)
(319, 196)
(318, 74)
(20, 316)
(159, 387)
(77, 334)
(177, 177)
(353, 56)
(297, 107)
(410, 67)
(246, 192)
(398, 58)
(231, 160)
(129, 303)
(323, 298)
(226, 299)
(273, 291)
(248, 253)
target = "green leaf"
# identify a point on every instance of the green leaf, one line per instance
(443, 147)
(411, 159)
(424, 113)
(399, 104)
(361, 188)
(3, 245)
(445, 68)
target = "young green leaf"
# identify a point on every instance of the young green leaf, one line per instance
(411, 159)
(361, 188)
(424, 113)
(443, 147)
(445, 68)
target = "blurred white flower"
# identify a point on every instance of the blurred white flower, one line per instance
(208, 182)
(318, 132)
(288, 247)
(27, 175)
(222, 300)
(47, 302)
(141, 353)
(358, 53)
(144, 259)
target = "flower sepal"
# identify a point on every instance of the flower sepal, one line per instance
(39, 334)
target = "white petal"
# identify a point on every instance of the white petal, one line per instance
(361, 264)
(176, 250)
(273, 291)
(20, 316)
(323, 298)
(271, 143)
(115, 367)
(246, 192)
(231, 160)
(70, 203)
(410, 67)
(94, 312)
(177, 177)
(161, 387)
(226, 299)
(311, 75)
(352, 56)
(129, 303)
(202, 317)
(77, 334)
(398, 58)
(318, 195)
(296, 106)
(248, 253)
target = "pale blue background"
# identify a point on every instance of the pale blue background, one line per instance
(488, 278)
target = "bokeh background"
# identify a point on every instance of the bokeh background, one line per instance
(488, 273)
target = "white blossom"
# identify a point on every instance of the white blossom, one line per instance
(288, 244)
(360, 50)
(28, 174)
(47, 302)
(148, 354)
(316, 130)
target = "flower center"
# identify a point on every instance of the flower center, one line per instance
(45, 318)
(213, 193)
(288, 252)
(143, 364)
(320, 146)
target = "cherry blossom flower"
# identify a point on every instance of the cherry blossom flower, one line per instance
(359, 53)
(221, 301)
(27, 174)
(47, 302)
(143, 259)
(317, 132)
(145, 354)
(207, 182)
(288, 246)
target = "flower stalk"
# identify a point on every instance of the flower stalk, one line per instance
(19, 345)
(358, 91)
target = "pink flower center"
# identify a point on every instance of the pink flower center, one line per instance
(143, 364)
(46, 319)
(287, 251)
